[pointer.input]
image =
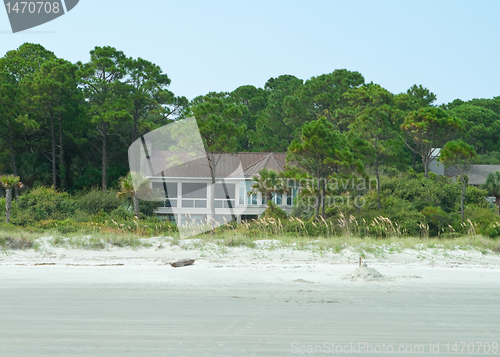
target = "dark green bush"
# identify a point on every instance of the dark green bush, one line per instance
(42, 204)
(92, 177)
(273, 211)
(436, 218)
(435, 191)
(302, 209)
(476, 196)
(147, 208)
(123, 212)
(485, 220)
(96, 200)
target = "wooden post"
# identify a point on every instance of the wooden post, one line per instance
(360, 262)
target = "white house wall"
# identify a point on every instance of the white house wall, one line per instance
(238, 210)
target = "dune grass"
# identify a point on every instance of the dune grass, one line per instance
(338, 243)
(12, 238)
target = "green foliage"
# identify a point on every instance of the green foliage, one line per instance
(397, 209)
(34, 170)
(267, 183)
(10, 181)
(492, 185)
(436, 218)
(217, 121)
(105, 93)
(458, 153)
(481, 126)
(147, 208)
(437, 191)
(429, 128)
(56, 116)
(475, 196)
(320, 152)
(302, 210)
(273, 130)
(491, 158)
(96, 201)
(484, 221)
(255, 101)
(91, 177)
(273, 211)
(43, 204)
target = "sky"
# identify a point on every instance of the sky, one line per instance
(450, 47)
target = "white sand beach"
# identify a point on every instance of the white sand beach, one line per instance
(263, 301)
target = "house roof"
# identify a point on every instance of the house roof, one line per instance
(271, 161)
(240, 165)
(477, 174)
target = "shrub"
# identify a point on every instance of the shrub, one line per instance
(476, 196)
(398, 210)
(273, 211)
(485, 220)
(147, 208)
(436, 191)
(436, 218)
(41, 204)
(302, 210)
(95, 201)
(123, 212)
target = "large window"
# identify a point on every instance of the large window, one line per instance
(290, 199)
(194, 195)
(244, 199)
(293, 193)
(225, 195)
(167, 190)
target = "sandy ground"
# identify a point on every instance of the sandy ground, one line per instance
(268, 301)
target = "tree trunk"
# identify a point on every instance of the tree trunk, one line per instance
(134, 127)
(497, 202)
(212, 191)
(8, 203)
(318, 198)
(426, 167)
(11, 147)
(62, 167)
(12, 154)
(269, 202)
(464, 188)
(136, 205)
(54, 160)
(378, 185)
(104, 156)
(323, 194)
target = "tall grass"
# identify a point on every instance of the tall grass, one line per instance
(332, 234)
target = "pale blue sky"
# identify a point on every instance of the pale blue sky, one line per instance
(451, 47)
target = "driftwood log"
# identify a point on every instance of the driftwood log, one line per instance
(182, 263)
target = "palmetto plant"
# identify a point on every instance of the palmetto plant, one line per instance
(8, 183)
(267, 183)
(134, 184)
(492, 185)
